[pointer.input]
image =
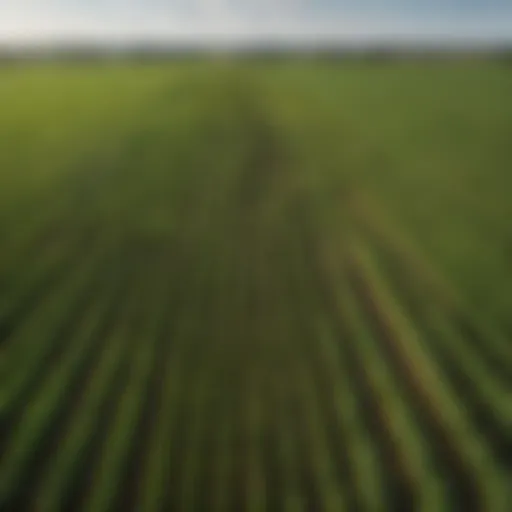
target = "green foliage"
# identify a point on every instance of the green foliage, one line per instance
(234, 286)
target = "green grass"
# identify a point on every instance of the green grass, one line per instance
(256, 286)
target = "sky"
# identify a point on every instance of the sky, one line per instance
(255, 20)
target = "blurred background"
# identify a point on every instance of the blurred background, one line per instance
(255, 256)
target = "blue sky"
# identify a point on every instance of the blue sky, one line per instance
(234, 20)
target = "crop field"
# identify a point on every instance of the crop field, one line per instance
(256, 286)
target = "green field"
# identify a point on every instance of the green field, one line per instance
(256, 286)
